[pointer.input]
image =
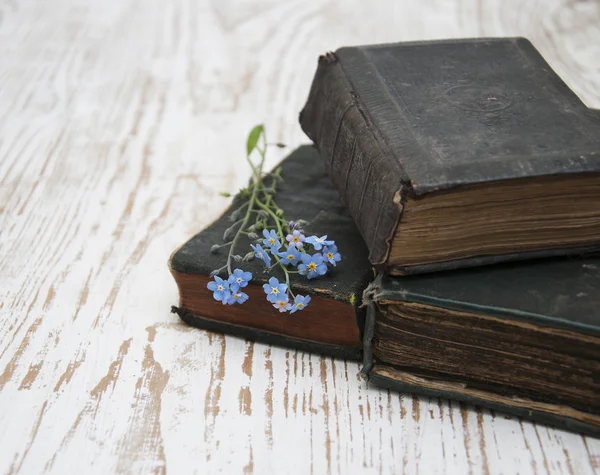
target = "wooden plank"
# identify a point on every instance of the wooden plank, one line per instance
(120, 121)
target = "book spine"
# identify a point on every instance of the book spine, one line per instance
(356, 158)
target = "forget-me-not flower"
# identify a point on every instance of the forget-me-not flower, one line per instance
(274, 290)
(237, 297)
(299, 303)
(331, 254)
(312, 266)
(271, 240)
(240, 278)
(295, 239)
(283, 304)
(220, 289)
(291, 256)
(319, 242)
(261, 254)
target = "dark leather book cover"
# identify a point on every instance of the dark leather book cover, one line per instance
(332, 322)
(523, 338)
(402, 122)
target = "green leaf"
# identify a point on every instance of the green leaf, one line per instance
(352, 299)
(225, 194)
(253, 137)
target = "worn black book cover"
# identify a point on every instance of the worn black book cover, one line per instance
(332, 322)
(457, 153)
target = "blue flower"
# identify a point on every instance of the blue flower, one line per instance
(237, 297)
(283, 304)
(319, 242)
(331, 254)
(299, 303)
(274, 290)
(240, 278)
(271, 240)
(261, 254)
(312, 266)
(295, 239)
(220, 289)
(291, 256)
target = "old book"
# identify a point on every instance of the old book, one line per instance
(331, 324)
(457, 153)
(522, 338)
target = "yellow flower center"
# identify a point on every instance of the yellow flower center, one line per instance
(281, 303)
(220, 288)
(330, 255)
(236, 296)
(272, 241)
(274, 290)
(312, 266)
(299, 305)
(290, 257)
(296, 239)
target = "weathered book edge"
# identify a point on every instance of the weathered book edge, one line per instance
(261, 336)
(373, 293)
(528, 414)
(253, 334)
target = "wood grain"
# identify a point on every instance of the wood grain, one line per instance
(114, 117)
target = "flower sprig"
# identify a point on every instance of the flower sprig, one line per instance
(285, 245)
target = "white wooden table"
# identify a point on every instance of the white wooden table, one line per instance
(120, 120)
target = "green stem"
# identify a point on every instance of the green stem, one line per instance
(257, 174)
(274, 216)
(270, 202)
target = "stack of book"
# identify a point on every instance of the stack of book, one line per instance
(461, 180)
